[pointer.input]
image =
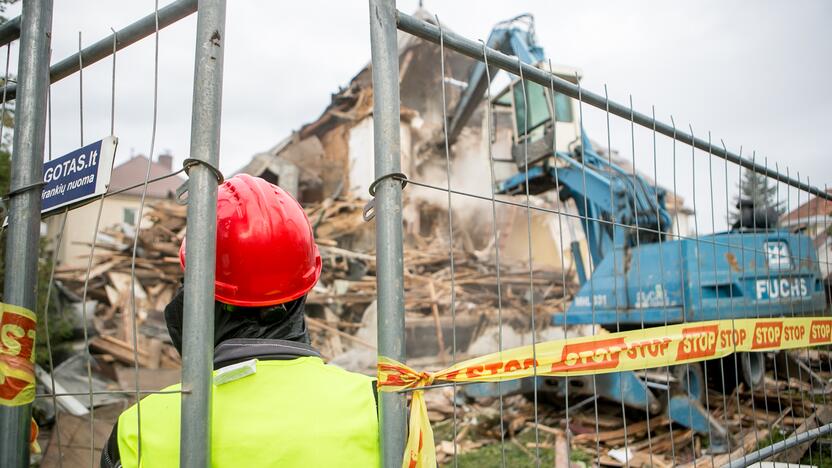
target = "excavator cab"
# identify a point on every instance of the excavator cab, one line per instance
(531, 107)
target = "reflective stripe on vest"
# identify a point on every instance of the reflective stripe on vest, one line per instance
(290, 413)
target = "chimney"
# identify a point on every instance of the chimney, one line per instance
(166, 161)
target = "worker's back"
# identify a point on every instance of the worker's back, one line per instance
(291, 412)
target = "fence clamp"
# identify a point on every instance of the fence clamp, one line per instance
(187, 164)
(7, 197)
(23, 189)
(370, 208)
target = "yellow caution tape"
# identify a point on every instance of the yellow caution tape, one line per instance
(34, 431)
(611, 352)
(18, 327)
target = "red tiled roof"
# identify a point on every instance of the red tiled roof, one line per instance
(814, 207)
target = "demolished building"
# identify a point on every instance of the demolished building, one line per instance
(331, 158)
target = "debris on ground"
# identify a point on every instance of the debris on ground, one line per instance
(595, 434)
(342, 320)
(157, 276)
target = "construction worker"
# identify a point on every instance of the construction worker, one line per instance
(281, 405)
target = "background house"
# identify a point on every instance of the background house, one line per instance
(121, 208)
(814, 218)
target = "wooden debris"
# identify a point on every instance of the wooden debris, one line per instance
(747, 444)
(561, 450)
(75, 438)
(794, 454)
(149, 356)
(346, 289)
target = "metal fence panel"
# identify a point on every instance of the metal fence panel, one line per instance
(26, 175)
(646, 266)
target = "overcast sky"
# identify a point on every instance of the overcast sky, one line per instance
(754, 73)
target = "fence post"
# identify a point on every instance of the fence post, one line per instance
(389, 250)
(23, 234)
(198, 325)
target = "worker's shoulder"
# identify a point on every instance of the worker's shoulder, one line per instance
(347, 374)
(165, 401)
(319, 365)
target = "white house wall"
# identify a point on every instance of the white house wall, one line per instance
(78, 233)
(361, 158)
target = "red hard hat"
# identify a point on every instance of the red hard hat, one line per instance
(266, 253)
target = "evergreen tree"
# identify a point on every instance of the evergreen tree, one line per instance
(761, 191)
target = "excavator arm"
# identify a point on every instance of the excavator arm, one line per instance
(512, 37)
(606, 196)
(601, 190)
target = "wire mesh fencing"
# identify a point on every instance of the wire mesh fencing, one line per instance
(108, 254)
(586, 283)
(646, 295)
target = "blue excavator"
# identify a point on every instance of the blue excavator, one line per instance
(640, 273)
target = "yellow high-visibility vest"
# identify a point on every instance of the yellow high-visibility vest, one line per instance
(290, 413)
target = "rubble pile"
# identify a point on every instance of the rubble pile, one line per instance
(342, 319)
(108, 294)
(595, 434)
(348, 285)
(337, 305)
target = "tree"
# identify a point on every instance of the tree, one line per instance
(760, 191)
